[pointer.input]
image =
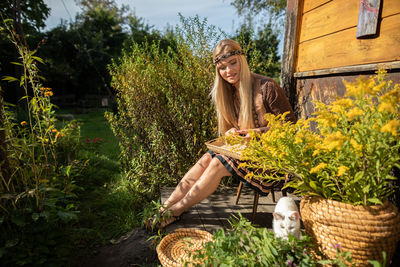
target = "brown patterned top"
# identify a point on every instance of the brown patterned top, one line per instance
(268, 97)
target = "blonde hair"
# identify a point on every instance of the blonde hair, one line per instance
(222, 94)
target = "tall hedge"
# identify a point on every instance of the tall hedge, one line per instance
(164, 112)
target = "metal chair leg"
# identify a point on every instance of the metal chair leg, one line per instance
(255, 204)
(239, 190)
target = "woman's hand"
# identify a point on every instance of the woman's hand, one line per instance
(241, 133)
(231, 131)
(244, 133)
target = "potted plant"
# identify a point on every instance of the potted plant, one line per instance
(340, 162)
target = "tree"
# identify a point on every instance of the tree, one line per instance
(275, 7)
(28, 15)
(100, 29)
(273, 10)
(77, 54)
(141, 33)
(61, 56)
(28, 18)
(266, 42)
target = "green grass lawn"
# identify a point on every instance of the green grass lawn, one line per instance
(94, 125)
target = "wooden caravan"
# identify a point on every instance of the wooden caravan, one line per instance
(327, 41)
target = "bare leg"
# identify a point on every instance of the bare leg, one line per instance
(203, 187)
(188, 180)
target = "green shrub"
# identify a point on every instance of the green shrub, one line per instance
(164, 110)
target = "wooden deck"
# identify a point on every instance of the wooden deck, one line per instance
(213, 212)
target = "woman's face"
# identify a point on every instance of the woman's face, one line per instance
(229, 69)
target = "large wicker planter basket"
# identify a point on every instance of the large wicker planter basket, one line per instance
(365, 231)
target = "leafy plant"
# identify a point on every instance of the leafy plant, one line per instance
(345, 152)
(246, 245)
(36, 187)
(343, 258)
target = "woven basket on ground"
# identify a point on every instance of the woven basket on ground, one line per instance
(174, 248)
(365, 231)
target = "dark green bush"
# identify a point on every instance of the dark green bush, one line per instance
(164, 110)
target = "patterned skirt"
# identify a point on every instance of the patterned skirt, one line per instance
(232, 165)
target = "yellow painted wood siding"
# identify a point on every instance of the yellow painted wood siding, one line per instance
(327, 37)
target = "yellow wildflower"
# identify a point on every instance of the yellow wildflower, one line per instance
(355, 145)
(283, 154)
(326, 122)
(297, 139)
(54, 130)
(342, 170)
(318, 167)
(282, 135)
(344, 102)
(391, 127)
(351, 89)
(316, 152)
(393, 96)
(360, 87)
(337, 109)
(354, 112)
(334, 140)
(376, 126)
(48, 93)
(23, 123)
(377, 88)
(387, 106)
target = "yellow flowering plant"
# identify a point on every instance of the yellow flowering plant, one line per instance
(345, 151)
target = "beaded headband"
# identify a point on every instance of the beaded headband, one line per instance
(229, 54)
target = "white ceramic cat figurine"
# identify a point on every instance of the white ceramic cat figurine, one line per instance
(286, 218)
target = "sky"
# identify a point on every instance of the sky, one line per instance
(159, 13)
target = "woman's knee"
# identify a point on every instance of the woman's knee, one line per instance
(205, 160)
(217, 166)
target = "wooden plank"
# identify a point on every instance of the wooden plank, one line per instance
(349, 69)
(212, 219)
(337, 16)
(326, 89)
(293, 24)
(326, 19)
(323, 53)
(223, 204)
(312, 4)
(368, 13)
(390, 7)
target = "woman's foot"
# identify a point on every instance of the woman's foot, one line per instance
(160, 220)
